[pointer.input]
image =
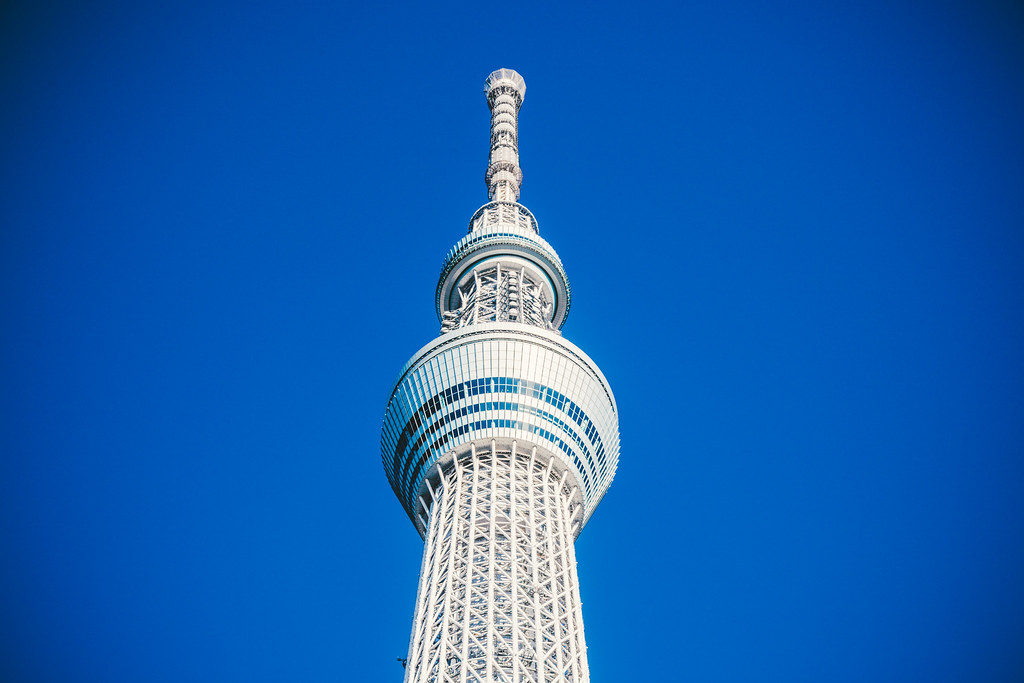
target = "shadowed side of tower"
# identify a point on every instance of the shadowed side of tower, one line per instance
(500, 438)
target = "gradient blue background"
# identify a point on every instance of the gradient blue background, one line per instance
(795, 238)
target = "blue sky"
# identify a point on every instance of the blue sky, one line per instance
(794, 236)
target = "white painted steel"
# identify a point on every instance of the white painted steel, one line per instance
(503, 242)
(500, 438)
(499, 595)
(505, 92)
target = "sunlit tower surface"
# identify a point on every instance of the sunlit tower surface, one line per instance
(500, 438)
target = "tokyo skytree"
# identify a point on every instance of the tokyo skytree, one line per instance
(500, 438)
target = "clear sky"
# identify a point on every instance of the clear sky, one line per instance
(794, 233)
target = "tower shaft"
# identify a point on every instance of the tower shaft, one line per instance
(498, 596)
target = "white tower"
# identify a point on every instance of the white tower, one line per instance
(500, 438)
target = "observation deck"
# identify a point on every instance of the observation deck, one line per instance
(501, 382)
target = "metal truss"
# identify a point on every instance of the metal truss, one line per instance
(499, 294)
(498, 595)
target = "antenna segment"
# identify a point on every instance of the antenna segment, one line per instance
(505, 90)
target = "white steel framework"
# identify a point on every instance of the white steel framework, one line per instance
(500, 438)
(498, 597)
(497, 294)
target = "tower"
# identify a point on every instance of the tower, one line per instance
(500, 438)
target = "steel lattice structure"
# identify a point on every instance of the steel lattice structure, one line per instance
(500, 438)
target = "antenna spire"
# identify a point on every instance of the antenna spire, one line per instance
(505, 92)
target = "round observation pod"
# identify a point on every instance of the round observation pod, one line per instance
(509, 385)
(515, 246)
(505, 77)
